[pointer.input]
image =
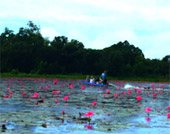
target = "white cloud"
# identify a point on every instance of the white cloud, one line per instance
(49, 32)
(97, 23)
(159, 45)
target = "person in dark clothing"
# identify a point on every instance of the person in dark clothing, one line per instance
(97, 80)
(88, 78)
(105, 81)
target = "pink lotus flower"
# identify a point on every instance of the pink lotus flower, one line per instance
(168, 107)
(54, 92)
(139, 98)
(94, 103)
(46, 88)
(108, 114)
(115, 95)
(154, 95)
(88, 126)
(129, 90)
(65, 98)
(6, 96)
(89, 114)
(129, 93)
(108, 91)
(168, 114)
(119, 88)
(56, 100)
(83, 87)
(55, 81)
(123, 93)
(104, 95)
(23, 93)
(148, 109)
(139, 91)
(58, 92)
(35, 95)
(71, 86)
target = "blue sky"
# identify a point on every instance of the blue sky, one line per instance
(96, 23)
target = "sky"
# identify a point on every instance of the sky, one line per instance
(96, 23)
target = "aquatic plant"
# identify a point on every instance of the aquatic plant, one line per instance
(148, 109)
(168, 114)
(139, 98)
(115, 95)
(23, 93)
(6, 96)
(89, 114)
(88, 126)
(94, 103)
(168, 107)
(66, 98)
(108, 91)
(54, 92)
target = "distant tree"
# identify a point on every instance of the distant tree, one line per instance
(166, 58)
(7, 38)
(27, 51)
(59, 42)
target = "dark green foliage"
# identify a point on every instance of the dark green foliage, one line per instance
(28, 52)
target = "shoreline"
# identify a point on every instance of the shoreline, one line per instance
(82, 77)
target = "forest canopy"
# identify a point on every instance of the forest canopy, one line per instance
(29, 52)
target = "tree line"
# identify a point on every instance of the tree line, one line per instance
(29, 52)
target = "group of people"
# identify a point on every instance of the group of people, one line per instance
(99, 80)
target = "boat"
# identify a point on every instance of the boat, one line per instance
(93, 84)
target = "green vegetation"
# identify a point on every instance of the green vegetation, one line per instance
(27, 53)
(82, 77)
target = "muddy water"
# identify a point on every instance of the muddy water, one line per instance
(124, 114)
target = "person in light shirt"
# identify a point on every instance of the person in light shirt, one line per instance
(92, 80)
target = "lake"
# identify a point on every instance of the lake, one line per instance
(51, 106)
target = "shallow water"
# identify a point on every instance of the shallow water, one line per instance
(23, 114)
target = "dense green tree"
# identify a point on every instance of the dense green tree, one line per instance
(27, 51)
